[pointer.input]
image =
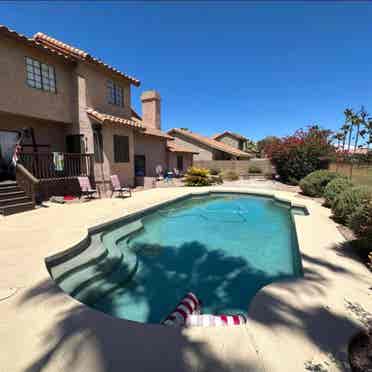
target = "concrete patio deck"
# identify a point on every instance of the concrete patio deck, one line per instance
(291, 323)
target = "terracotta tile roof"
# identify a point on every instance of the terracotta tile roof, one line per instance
(157, 133)
(211, 143)
(135, 114)
(71, 51)
(102, 118)
(5, 31)
(232, 134)
(68, 52)
(59, 45)
(353, 150)
(172, 147)
(149, 130)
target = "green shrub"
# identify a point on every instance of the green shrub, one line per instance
(214, 172)
(334, 188)
(254, 169)
(216, 179)
(231, 176)
(361, 221)
(348, 201)
(314, 183)
(198, 177)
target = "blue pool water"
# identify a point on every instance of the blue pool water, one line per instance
(222, 247)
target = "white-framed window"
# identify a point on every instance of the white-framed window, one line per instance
(115, 94)
(40, 75)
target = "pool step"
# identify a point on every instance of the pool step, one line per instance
(78, 279)
(102, 286)
(100, 268)
(114, 237)
(88, 257)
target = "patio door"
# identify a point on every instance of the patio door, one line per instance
(140, 165)
(180, 163)
(8, 140)
(75, 143)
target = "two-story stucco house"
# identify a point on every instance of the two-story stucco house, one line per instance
(207, 148)
(233, 139)
(58, 99)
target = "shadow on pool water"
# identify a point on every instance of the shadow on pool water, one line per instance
(140, 347)
(224, 284)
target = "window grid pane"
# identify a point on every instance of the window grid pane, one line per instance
(115, 93)
(40, 75)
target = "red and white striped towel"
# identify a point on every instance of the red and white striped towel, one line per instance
(209, 320)
(190, 304)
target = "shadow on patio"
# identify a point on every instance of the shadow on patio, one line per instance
(84, 339)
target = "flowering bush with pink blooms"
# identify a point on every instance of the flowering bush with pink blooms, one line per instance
(294, 157)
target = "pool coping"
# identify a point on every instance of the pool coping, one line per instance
(84, 243)
(253, 344)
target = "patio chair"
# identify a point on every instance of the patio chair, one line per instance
(85, 187)
(168, 176)
(116, 186)
(176, 173)
(159, 173)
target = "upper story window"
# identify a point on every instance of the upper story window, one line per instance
(40, 75)
(115, 94)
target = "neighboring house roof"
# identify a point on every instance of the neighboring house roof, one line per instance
(172, 147)
(228, 133)
(353, 150)
(71, 51)
(211, 143)
(103, 118)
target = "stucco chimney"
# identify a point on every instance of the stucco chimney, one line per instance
(151, 109)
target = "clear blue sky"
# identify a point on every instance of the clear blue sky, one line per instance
(255, 68)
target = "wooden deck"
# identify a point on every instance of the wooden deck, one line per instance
(57, 176)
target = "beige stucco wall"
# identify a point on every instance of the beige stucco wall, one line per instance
(104, 170)
(232, 141)
(155, 150)
(17, 97)
(79, 85)
(205, 153)
(96, 90)
(90, 87)
(46, 132)
(187, 161)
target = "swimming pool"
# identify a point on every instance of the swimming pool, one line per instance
(222, 247)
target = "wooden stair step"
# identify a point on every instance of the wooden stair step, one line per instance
(6, 189)
(16, 208)
(7, 184)
(11, 195)
(17, 200)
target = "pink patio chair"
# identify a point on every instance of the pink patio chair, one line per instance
(86, 188)
(116, 186)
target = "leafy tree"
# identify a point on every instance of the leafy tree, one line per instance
(266, 142)
(251, 145)
(295, 156)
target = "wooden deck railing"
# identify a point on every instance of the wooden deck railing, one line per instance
(26, 181)
(43, 167)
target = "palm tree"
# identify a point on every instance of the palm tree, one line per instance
(358, 121)
(349, 115)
